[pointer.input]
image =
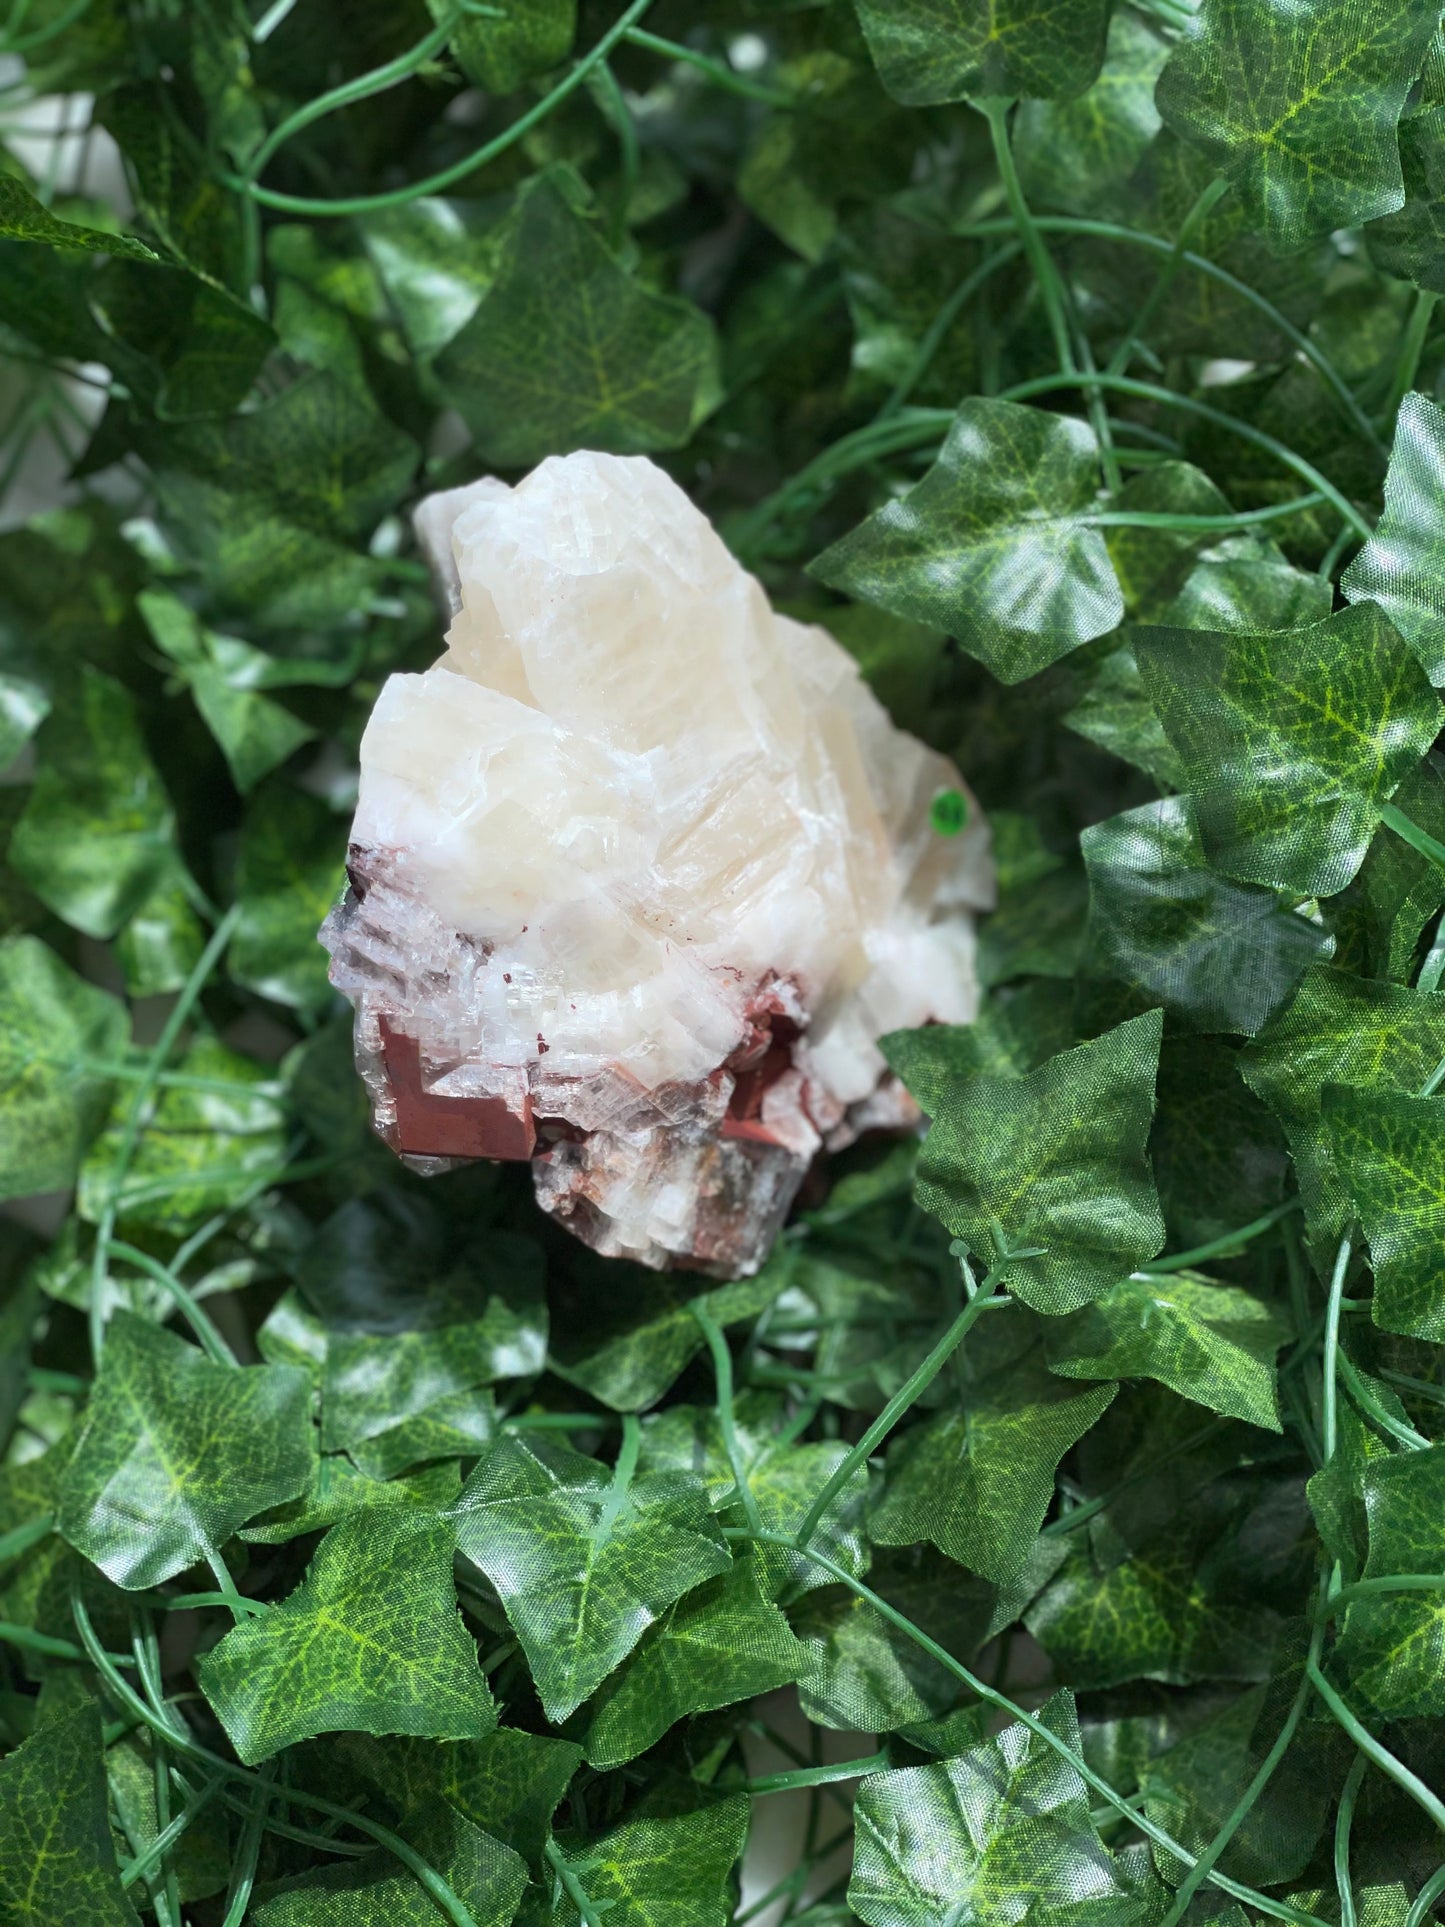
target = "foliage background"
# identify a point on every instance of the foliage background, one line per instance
(368, 1551)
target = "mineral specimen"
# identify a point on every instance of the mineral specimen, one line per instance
(639, 873)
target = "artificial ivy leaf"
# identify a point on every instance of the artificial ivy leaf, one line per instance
(568, 350)
(162, 941)
(1336, 1491)
(1013, 1034)
(290, 872)
(23, 218)
(1389, 1154)
(1057, 1160)
(1112, 710)
(508, 1784)
(1296, 101)
(1077, 154)
(98, 834)
(501, 52)
(371, 1640)
(654, 1872)
(720, 1643)
(1291, 741)
(978, 1478)
(1219, 1156)
(1215, 1344)
(435, 260)
(1379, 920)
(583, 1557)
(1001, 1832)
(1410, 242)
(1246, 583)
(175, 1452)
(994, 544)
(1152, 563)
(898, 277)
(57, 1857)
(202, 1150)
(929, 51)
(378, 1891)
(58, 1035)
(1218, 955)
(1399, 567)
(1391, 1649)
(1339, 1030)
(201, 1858)
(340, 1488)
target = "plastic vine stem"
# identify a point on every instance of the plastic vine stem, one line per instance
(722, 1364)
(1344, 1820)
(571, 1885)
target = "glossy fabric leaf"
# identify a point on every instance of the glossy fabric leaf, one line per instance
(1379, 920)
(1055, 1159)
(568, 350)
(23, 218)
(977, 1478)
(1245, 583)
(993, 544)
(1389, 1152)
(56, 1031)
(721, 1643)
(1292, 741)
(378, 1891)
(1000, 1833)
(1391, 1649)
(500, 53)
(583, 1559)
(1112, 710)
(1410, 243)
(57, 1857)
(1339, 1030)
(1400, 566)
(928, 51)
(655, 1872)
(175, 1452)
(1216, 954)
(202, 1149)
(371, 1639)
(290, 872)
(1078, 153)
(1215, 1344)
(1297, 101)
(1219, 1155)
(98, 833)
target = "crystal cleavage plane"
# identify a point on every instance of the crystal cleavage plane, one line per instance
(640, 871)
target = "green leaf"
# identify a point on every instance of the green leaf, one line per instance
(289, 874)
(1293, 741)
(1215, 1344)
(1245, 583)
(993, 545)
(175, 1452)
(162, 941)
(568, 350)
(1055, 1159)
(1013, 1034)
(1380, 918)
(1410, 242)
(435, 260)
(583, 1558)
(1112, 710)
(1339, 1030)
(1391, 1649)
(378, 1891)
(56, 1035)
(1152, 563)
(1000, 1833)
(655, 1872)
(339, 1488)
(1219, 1157)
(1296, 102)
(1389, 1154)
(98, 834)
(1168, 930)
(978, 1478)
(202, 1150)
(57, 1857)
(372, 1640)
(23, 218)
(721, 1643)
(1399, 567)
(928, 51)
(502, 52)
(1078, 154)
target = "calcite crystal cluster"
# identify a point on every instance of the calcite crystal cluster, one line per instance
(640, 871)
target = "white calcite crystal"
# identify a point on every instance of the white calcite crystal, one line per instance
(640, 872)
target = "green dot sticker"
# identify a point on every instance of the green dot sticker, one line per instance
(949, 812)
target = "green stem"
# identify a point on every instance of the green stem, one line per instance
(995, 111)
(1237, 519)
(448, 176)
(1344, 1820)
(1386, 1583)
(1412, 346)
(1276, 1909)
(1329, 1409)
(243, 1873)
(140, 1867)
(937, 329)
(1222, 1247)
(912, 1388)
(1396, 1770)
(721, 75)
(818, 1775)
(916, 429)
(1395, 819)
(1359, 1391)
(1123, 354)
(572, 1886)
(212, 1343)
(140, 1098)
(615, 107)
(722, 1365)
(1424, 1901)
(21, 1538)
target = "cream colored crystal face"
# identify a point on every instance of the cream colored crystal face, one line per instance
(638, 796)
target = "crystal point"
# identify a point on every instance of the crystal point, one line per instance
(640, 872)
